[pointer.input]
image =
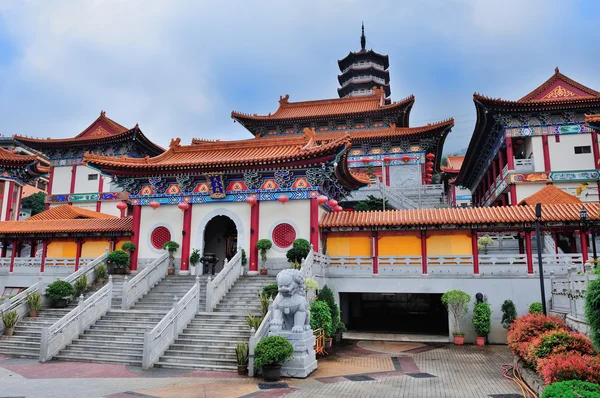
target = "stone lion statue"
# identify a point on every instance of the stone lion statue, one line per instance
(290, 308)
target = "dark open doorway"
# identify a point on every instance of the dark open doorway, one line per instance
(419, 313)
(220, 238)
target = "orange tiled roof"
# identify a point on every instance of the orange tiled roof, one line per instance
(454, 164)
(219, 154)
(464, 216)
(387, 133)
(593, 119)
(78, 225)
(39, 164)
(549, 195)
(66, 212)
(328, 107)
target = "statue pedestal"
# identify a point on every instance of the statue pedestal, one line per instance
(304, 358)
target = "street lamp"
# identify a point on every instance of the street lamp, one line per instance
(538, 236)
(587, 224)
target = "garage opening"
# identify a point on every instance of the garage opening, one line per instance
(410, 313)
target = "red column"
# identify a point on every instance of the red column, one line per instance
(254, 216)
(49, 188)
(529, 252)
(521, 244)
(9, 200)
(546, 153)
(135, 239)
(314, 224)
(387, 174)
(572, 242)
(4, 247)
(513, 194)
(44, 251)
(13, 253)
(494, 172)
(584, 245)
(489, 179)
(555, 236)
(73, 174)
(186, 239)
(78, 254)
(504, 201)
(375, 252)
(475, 249)
(501, 163)
(510, 160)
(424, 251)
(100, 188)
(33, 248)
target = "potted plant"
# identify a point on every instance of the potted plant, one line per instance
(128, 247)
(456, 301)
(171, 247)
(483, 243)
(241, 354)
(100, 271)
(195, 257)
(482, 321)
(298, 252)
(311, 286)
(60, 292)
(35, 303)
(244, 258)
(269, 354)
(117, 260)
(320, 318)
(81, 285)
(509, 313)
(10, 320)
(263, 245)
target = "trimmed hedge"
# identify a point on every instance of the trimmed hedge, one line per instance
(572, 389)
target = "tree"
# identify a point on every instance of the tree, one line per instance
(372, 203)
(34, 202)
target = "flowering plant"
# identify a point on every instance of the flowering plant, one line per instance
(570, 366)
(525, 328)
(557, 342)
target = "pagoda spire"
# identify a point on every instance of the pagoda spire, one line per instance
(363, 39)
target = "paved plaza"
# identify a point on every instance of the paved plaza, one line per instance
(362, 369)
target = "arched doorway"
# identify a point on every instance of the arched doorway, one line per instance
(220, 239)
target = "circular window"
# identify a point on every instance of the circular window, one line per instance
(284, 235)
(159, 237)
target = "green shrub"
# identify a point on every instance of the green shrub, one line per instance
(271, 290)
(264, 304)
(10, 319)
(118, 258)
(81, 284)
(311, 284)
(535, 308)
(59, 290)
(509, 313)
(241, 353)
(271, 351)
(482, 314)
(128, 247)
(592, 311)
(326, 295)
(572, 389)
(244, 258)
(263, 245)
(320, 318)
(195, 257)
(100, 271)
(253, 322)
(558, 342)
(298, 252)
(171, 246)
(456, 301)
(34, 300)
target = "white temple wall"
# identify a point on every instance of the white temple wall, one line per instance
(61, 180)
(82, 182)
(562, 154)
(169, 216)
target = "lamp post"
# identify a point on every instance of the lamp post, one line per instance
(587, 224)
(538, 236)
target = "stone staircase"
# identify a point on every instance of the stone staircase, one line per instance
(118, 337)
(209, 340)
(25, 342)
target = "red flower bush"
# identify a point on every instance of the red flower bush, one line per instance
(557, 342)
(527, 327)
(570, 366)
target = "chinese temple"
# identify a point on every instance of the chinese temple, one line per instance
(72, 183)
(363, 70)
(455, 195)
(519, 146)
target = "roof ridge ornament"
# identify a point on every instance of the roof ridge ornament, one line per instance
(284, 100)
(175, 143)
(311, 135)
(556, 71)
(363, 39)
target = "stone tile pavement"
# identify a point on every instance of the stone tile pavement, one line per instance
(366, 369)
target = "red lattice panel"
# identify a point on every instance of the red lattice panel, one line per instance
(160, 236)
(284, 235)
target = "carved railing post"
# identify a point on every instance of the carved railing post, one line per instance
(208, 294)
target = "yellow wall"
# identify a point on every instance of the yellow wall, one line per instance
(119, 244)
(62, 249)
(400, 245)
(357, 244)
(448, 244)
(94, 248)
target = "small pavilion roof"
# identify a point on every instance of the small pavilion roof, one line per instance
(550, 195)
(65, 221)
(36, 164)
(454, 164)
(461, 216)
(593, 120)
(328, 108)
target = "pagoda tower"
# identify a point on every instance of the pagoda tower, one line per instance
(363, 70)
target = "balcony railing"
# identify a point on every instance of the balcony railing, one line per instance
(364, 65)
(361, 79)
(524, 165)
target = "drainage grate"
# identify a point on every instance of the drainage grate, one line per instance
(271, 386)
(420, 375)
(359, 378)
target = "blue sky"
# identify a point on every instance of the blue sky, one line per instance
(178, 68)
